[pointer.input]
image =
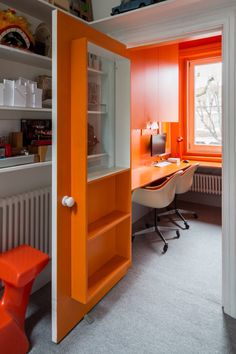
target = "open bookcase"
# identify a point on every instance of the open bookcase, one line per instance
(101, 223)
(108, 238)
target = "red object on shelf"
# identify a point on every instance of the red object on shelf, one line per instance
(8, 151)
(41, 142)
(18, 269)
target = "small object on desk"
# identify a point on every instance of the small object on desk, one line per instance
(161, 164)
(186, 161)
(174, 160)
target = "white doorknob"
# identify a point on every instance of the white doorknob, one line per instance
(68, 201)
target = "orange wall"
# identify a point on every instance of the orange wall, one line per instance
(144, 83)
(154, 73)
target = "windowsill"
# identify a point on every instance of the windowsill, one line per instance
(208, 161)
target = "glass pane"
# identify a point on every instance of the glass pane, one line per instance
(101, 113)
(208, 104)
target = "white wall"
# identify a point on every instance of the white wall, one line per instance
(138, 211)
(102, 8)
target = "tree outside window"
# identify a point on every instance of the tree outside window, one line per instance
(205, 113)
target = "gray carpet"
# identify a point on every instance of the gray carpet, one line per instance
(167, 304)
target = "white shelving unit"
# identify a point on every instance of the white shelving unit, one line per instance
(25, 57)
(40, 9)
(23, 63)
(25, 109)
(29, 166)
(14, 63)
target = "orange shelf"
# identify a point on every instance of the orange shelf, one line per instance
(115, 267)
(106, 223)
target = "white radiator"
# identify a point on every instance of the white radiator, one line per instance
(205, 183)
(26, 219)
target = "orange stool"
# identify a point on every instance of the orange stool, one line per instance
(18, 269)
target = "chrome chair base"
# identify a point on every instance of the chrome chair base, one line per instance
(158, 230)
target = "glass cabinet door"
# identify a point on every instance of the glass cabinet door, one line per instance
(102, 130)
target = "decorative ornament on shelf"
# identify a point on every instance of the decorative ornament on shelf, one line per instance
(179, 140)
(82, 9)
(43, 40)
(92, 140)
(151, 129)
(15, 30)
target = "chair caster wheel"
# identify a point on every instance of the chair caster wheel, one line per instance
(186, 226)
(165, 248)
(195, 216)
(133, 238)
(178, 234)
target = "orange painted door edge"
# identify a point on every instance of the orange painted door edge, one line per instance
(67, 312)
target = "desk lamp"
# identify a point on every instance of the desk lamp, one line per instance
(179, 140)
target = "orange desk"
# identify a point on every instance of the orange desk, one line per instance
(144, 175)
(208, 164)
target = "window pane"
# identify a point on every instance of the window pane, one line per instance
(208, 104)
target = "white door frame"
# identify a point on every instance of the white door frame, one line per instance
(229, 168)
(185, 26)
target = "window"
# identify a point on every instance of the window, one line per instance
(204, 113)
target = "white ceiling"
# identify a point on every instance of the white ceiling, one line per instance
(141, 26)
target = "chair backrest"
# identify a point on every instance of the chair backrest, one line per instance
(159, 197)
(186, 180)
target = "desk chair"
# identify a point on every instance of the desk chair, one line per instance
(157, 197)
(183, 185)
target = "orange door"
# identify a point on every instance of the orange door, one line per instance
(91, 232)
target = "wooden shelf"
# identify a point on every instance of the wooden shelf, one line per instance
(105, 172)
(7, 113)
(106, 223)
(96, 156)
(96, 112)
(25, 57)
(25, 109)
(39, 9)
(95, 71)
(109, 271)
(25, 167)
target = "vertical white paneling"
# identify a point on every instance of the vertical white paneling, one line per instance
(229, 168)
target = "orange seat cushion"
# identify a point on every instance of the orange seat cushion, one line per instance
(21, 265)
(12, 338)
